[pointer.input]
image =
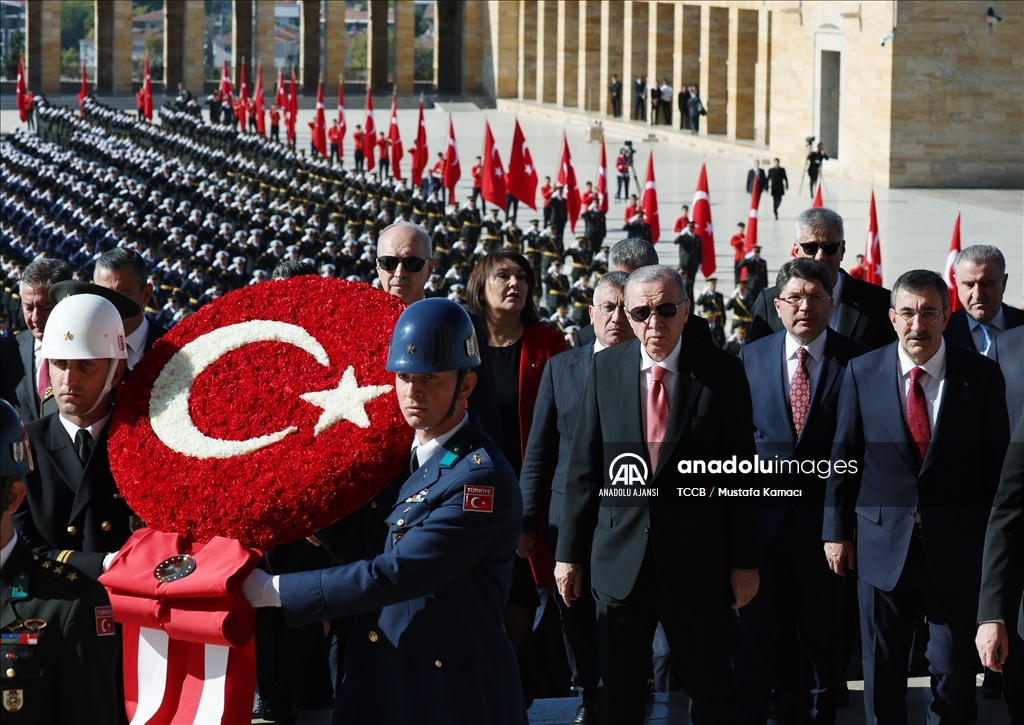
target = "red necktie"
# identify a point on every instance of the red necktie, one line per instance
(44, 378)
(657, 413)
(917, 416)
(800, 391)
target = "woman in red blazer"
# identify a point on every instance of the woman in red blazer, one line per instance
(501, 291)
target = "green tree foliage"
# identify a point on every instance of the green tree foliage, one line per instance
(77, 19)
(70, 63)
(424, 63)
(10, 59)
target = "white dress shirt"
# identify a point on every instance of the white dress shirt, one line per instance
(136, 342)
(647, 363)
(815, 351)
(37, 358)
(933, 384)
(95, 430)
(428, 449)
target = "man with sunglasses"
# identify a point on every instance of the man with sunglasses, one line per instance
(859, 310)
(661, 399)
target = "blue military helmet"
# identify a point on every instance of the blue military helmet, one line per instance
(431, 336)
(16, 455)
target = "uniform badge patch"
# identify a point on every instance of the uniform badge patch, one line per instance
(417, 497)
(104, 621)
(14, 700)
(478, 498)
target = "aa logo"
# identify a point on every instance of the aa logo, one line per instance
(628, 469)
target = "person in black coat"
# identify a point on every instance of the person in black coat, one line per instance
(615, 92)
(778, 184)
(640, 99)
(980, 273)
(684, 107)
(762, 181)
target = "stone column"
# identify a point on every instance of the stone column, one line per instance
(686, 60)
(714, 58)
(634, 51)
(763, 80)
(113, 39)
(527, 80)
(174, 43)
(377, 45)
(241, 43)
(589, 88)
(42, 46)
(568, 54)
(660, 34)
(547, 48)
(743, 32)
(309, 45)
(263, 36)
(502, 52)
(448, 46)
(405, 45)
(193, 71)
(611, 53)
(473, 32)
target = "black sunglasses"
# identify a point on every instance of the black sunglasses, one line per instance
(829, 248)
(411, 264)
(665, 311)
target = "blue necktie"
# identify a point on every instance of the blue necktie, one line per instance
(986, 333)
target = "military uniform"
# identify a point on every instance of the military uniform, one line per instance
(427, 643)
(58, 644)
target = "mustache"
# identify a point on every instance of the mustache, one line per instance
(918, 336)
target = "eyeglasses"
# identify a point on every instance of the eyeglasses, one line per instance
(929, 314)
(829, 248)
(411, 264)
(665, 311)
(608, 309)
(797, 300)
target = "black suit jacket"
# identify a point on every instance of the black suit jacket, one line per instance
(762, 181)
(696, 327)
(863, 314)
(23, 377)
(63, 496)
(695, 545)
(10, 369)
(959, 331)
(1002, 572)
(774, 433)
(777, 181)
(1009, 353)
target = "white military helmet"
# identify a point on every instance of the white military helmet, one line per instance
(84, 327)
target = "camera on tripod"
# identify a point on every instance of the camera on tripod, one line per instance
(629, 152)
(810, 140)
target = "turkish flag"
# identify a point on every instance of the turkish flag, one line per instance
(493, 189)
(419, 151)
(395, 138)
(522, 176)
(602, 181)
(452, 170)
(22, 89)
(147, 93)
(873, 249)
(650, 201)
(259, 104)
(84, 90)
(320, 124)
(243, 100)
(225, 80)
(954, 249)
(817, 198)
(293, 109)
(281, 98)
(700, 213)
(751, 237)
(570, 189)
(369, 134)
(341, 118)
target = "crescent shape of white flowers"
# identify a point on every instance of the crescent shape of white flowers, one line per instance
(168, 403)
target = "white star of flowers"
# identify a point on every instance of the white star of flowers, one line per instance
(346, 402)
(527, 169)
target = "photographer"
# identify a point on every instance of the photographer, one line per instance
(814, 159)
(622, 175)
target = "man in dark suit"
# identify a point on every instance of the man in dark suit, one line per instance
(1001, 644)
(28, 377)
(615, 92)
(544, 473)
(650, 406)
(1008, 351)
(778, 185)
(859, 310)
(980, 273)
(757, 272)
(690, 250)
(683, 105)
(795, 421)
(123, 270)
(762, 181)
(640, 99)
(918, 502)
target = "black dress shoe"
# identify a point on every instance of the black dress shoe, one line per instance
(970, 712)
(992, 686)
(584, 716)
(843, 699)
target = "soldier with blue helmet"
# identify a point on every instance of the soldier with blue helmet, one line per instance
(427, 643)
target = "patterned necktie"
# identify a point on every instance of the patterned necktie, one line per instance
(657, 414)
(44, 378)
(83, 445)
(917, 416)
(800, 391)
(986, 333)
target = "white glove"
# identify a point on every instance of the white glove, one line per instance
(108, 560)
(261, 589)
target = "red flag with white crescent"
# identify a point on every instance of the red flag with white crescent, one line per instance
(949, 273)
(369, 134)
(522, 175)
(395, 138)
(419, 151)
(243, 100)
(493, 189)
(570, 188)
(750, 239)
(225, 80)
(22, 91)
(342, 126)
(280, 98)
(873, 249)
(700, 213)
(602, 181)
(452, 169)
(650, 201)
(293, 109)
(320, 123)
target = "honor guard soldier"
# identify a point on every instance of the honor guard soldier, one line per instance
(469, 219)
(580, 259)
(556, 286)
(741, 304)
(513, 235)
(427, 601)
(582, 297)
(57, 643)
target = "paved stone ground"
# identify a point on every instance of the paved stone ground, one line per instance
(915, 225)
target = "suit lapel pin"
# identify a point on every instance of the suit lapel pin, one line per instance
(693, 377)
(835, 359)
(967, 384)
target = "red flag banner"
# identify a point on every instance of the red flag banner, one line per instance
(602, 181)
(700, 213)
(280, 97)
(243, 100)
(22, 90)
(369, 134)
(570, 189)
(650, 201)
(419, 151)
(452, 170)
(522, 176)
(293, 109)
(493, 189)
(818, 202)
(259, 104)
(342, 126)
(873, 249)
(147, 93)
(84, 90)
(225, 80)
(395, 138)
(320, 123)
(750, 239)
(954, 249)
